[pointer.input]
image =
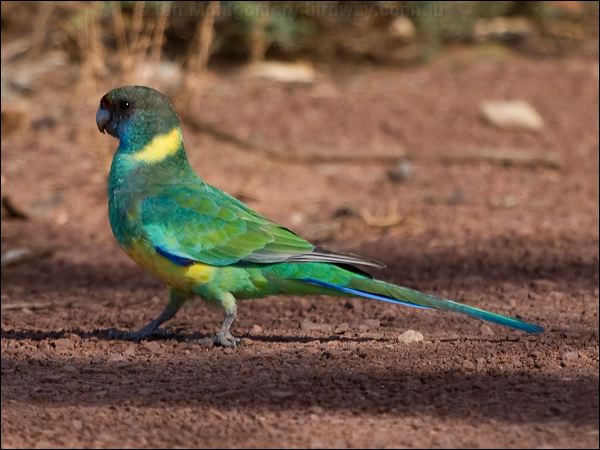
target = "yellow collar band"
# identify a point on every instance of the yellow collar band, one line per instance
(161, 147)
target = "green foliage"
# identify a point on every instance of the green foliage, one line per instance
(287, 29)
(280, 25)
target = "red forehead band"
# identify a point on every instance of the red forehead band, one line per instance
(104, 102)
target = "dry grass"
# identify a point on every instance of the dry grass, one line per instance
(110, 37)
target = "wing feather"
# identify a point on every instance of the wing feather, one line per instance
(201, 223)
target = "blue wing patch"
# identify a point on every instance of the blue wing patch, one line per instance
(180, 261)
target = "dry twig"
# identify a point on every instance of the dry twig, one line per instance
(40, 26)
(498, 156)
(391, 218)
(12, 210)
(159, 33)
(23, 255)
(309, 159)
(30, 305)
(121, 35)
(505, 157)
(137, 24)
(198, 54)
(258, 39)
(200, 48)
(89, 43)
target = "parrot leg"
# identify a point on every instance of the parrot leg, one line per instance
(176, 301)
(224, 338)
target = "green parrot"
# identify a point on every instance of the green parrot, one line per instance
(202, 242)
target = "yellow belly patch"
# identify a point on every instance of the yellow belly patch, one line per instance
(183, 278)
(161, 147)
(200, 273)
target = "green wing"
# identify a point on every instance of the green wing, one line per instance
(201, 223)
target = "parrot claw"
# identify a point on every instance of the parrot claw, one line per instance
(225, 339)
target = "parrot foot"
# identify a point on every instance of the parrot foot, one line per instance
(225, 339)
(140, 335)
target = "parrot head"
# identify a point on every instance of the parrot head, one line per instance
(135, 110)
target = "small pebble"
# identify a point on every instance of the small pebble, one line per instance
(153, 346)
(468, 365)
(410, 336)
(401, 172)
(73, 337)
(341, 328)
(282, 394)
(130, 351)
(64, 344)
(545, 285)
(117, 357)
(307, 325)
(369, 324)
(246, 342)
(570, 356)
(512, 114)
(206, 342)
(70, 369)
(486, 330)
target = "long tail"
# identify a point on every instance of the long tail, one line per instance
(380, 290)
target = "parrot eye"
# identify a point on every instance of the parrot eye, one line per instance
(123, 105)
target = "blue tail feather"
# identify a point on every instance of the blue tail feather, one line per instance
(416, 299)
(364, 294)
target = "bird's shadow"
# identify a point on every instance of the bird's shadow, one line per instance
(116, 334)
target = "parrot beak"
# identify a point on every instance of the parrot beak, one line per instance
(102, 118)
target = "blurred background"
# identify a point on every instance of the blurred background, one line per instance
(353, 93)
(455, 141)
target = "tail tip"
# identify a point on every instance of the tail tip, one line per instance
(531, 328)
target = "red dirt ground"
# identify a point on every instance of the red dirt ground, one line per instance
(517, 240)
